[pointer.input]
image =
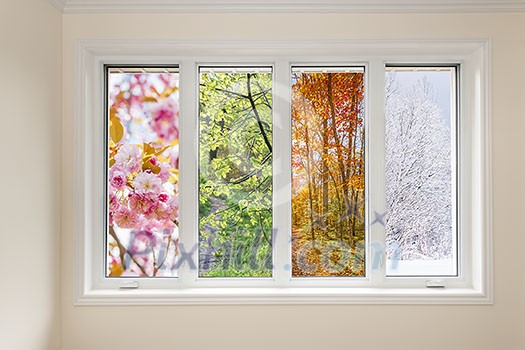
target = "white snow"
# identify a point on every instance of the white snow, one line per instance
(418, 181)
(439, 267)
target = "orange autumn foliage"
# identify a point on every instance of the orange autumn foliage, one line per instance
(328, 144)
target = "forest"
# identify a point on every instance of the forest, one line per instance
(328, 172)
(235, 172)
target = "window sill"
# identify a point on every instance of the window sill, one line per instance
(279, 296)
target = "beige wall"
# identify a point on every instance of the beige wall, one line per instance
(30, 115)
(370, 327)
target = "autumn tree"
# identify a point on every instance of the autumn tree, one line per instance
(327, 158)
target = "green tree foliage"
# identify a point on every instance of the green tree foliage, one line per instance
(235, 174)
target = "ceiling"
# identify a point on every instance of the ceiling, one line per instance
(356, 6)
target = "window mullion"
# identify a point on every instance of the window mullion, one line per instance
(189, 138)
(375, 155)
(281, 173)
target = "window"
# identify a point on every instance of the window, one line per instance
(328, 171)
(421, 237)
(142, 186)
(260, 173)
(235, 171)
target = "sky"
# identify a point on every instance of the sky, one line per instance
(441, 82)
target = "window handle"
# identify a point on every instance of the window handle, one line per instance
(129, 285)
(435, 284)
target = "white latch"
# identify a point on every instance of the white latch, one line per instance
(435, 284)
(129, 285)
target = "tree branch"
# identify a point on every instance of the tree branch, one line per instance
(256, 113)
(228, 92)
(122, 249)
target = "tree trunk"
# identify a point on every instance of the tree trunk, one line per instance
(340, 160)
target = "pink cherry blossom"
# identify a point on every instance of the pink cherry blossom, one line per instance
(142, 204)
(169, 79)
(117, 177)
(114, 203)
(162, 227)
(154, 161)
(161, 211)
(163, 197)
(173, 203)
(114, 206)
(126, 218)
(174, 157)
(147, 182)
(165, 172)
(129, 157)
(138, 84)
(164, 120)
(139, 202)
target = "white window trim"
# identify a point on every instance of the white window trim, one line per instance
(294, 6)
(473, 286)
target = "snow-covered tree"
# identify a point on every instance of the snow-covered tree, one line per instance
(418, 175)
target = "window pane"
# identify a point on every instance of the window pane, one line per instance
(328, 172)
(235, 178)
(143, 143)
(420, 171)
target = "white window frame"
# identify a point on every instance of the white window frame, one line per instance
(472, 286)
